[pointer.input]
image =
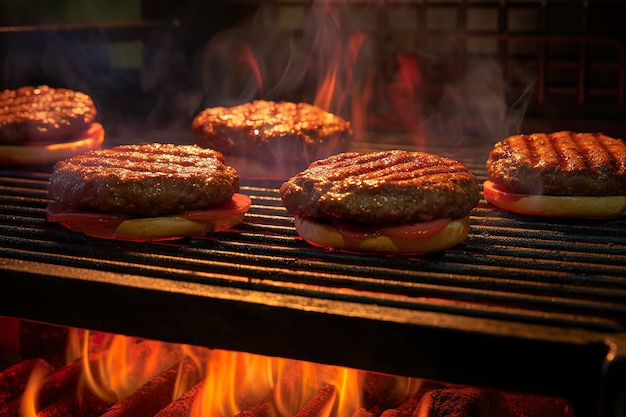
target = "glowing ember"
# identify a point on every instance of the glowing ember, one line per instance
(113, 368)
(246, 385)
(123, 376)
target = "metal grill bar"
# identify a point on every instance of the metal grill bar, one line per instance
(523, 263)
(547, 290)
(485, 269)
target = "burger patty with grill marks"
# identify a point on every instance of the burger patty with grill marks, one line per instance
(561, 163)
(280, 135)
(149, 180)
(380, 188)
(43, 115)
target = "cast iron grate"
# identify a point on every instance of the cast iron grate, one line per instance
(547, 290)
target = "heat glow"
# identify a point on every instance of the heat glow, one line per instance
(110, 369)
(124, 365)
(275, 387)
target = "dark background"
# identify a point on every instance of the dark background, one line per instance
(145, 62)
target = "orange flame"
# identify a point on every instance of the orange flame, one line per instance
(325, 92)
(236, 56)
(115, 366)
(28, 402)
(234, 381)
(405, 95)
(240, 381)
(73, 350)
(344, 402)
(338, 81)
(247, 57)
(184, 381)
(125, 365)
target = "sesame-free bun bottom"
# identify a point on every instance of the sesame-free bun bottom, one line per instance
(555, 205)
(158, 228)
(16, 155)
(326, 236)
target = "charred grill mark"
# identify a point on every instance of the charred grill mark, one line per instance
(158, 159)
(560, 163)
(138, 164)
(43, 114)
(615, 154)
(392, 167)
(280, 137)
(568, 155)
(543, 153)
(389, 187)
(156, 179)
(572, 152)
(596, 154)
(271, 119)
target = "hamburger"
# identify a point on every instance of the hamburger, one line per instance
(146, 192)
(42, 125)
(560, 174)
(271, 139)
(387, 202)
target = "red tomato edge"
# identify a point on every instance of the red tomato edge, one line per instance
(60, 213)
(499, 192)
(239, 203)
(415, 230)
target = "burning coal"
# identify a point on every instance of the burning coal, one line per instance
(118, 376)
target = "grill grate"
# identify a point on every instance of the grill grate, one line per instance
(517, 306)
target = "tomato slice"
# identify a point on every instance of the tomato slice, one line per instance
(60, 213)
(240, 203)
(415, 230)
(408, 231)
(493, 191)
(354, 231)
(576, 206)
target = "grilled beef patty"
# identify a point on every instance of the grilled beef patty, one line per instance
(560, 163)
(43, 115)
(389, 187)
(275, 133)
(150, 180)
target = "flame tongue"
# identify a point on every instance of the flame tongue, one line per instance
(29, 400)
(242, 384)
(112, 372)
(125, 365)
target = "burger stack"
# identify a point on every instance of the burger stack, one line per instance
(393, 202)
(41, 125)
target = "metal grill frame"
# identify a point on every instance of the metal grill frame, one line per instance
(525, 304)
(531, 305)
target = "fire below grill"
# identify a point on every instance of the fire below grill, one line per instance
(169, 380)
(525, 304)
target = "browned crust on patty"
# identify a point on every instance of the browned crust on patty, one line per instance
(149, 180)
(42, 115)
(389, 187)
(560, 163)
(287, 133)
